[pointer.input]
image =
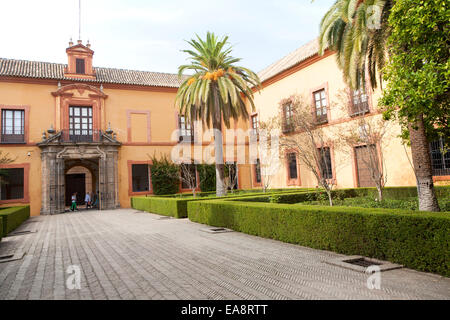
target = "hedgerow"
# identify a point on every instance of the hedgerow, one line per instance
(418, 240)
(13, 217)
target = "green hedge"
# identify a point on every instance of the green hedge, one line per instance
(13, 217)
(176, 206)
(417, 240)
(442, 192)
(1, 229)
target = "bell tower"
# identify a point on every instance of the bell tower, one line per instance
(79, 61)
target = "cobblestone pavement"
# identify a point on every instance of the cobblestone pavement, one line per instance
(125, 254)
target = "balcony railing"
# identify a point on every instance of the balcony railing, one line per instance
(287, 127)
(322, 119)
(12, 138)
(80, 135)
(359, 108)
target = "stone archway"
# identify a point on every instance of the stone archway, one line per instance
(83, 180)
(99, 157)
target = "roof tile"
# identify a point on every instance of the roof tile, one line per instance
(55, 71)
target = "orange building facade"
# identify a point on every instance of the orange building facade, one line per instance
(75, 128)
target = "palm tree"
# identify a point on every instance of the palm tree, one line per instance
(215, 92)
(357, 30)
(359, 48)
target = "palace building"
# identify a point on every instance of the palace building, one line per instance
(78, 128)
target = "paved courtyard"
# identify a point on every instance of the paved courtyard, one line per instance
(125, 254)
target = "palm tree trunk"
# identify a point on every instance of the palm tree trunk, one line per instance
(421, 158)
(218, 150)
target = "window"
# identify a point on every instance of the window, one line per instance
(258, 171)
(13, 126)
(255, 125)
(11, 184)
(288, 117)
(186, 130)
(80, 66)
(80, 124)
(360, 103)
(292, 164)
(140, 177)
(188, 176)
(440, 158)
(325, 163)
(320, 101)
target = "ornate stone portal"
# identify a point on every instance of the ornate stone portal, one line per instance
(99, 156)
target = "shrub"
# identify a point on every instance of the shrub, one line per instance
(207, 175)
(165, 176)
(392, 196)
(176, 205)
(417, 240)
(13, 217)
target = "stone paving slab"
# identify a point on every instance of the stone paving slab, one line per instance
(124, 254)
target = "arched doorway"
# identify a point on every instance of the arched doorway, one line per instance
(81, 177)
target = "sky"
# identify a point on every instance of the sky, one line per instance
(150, 35)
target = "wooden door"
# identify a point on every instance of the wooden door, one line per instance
(363, 154)
(75, 183)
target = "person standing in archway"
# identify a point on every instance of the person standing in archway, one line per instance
(87, 200)
(73, 207)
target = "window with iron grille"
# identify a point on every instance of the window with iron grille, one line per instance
(188, 175)
(440, 158)
(258, 171)
(255, 125)
(80, 66)
(320, 101)
(80, 124)
(140, 177)
(292, 162)
(325, 163)
(186, 130)
(13, 126)
(288, 118)
(360, 102)
(12, 184)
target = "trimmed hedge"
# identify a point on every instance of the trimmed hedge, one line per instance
(176, 206)
(13, 217)
(1, 229)
(417, 240)
(388, 193)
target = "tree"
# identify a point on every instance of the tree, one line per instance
(188, 176)
(362, 47)
(370, 135)
(231, 177)
(418, 82)
(207, 175)
(357, 30)
(269, 153)
(165, 175)
(308, 140)
(215, 91)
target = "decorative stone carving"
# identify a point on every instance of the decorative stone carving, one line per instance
(58, 157)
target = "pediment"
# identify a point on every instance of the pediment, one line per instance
(80, 48)
(81, 88)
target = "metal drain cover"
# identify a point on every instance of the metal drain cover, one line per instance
(20, 233)
(12, 256)
(216, 230)
(360, 263)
